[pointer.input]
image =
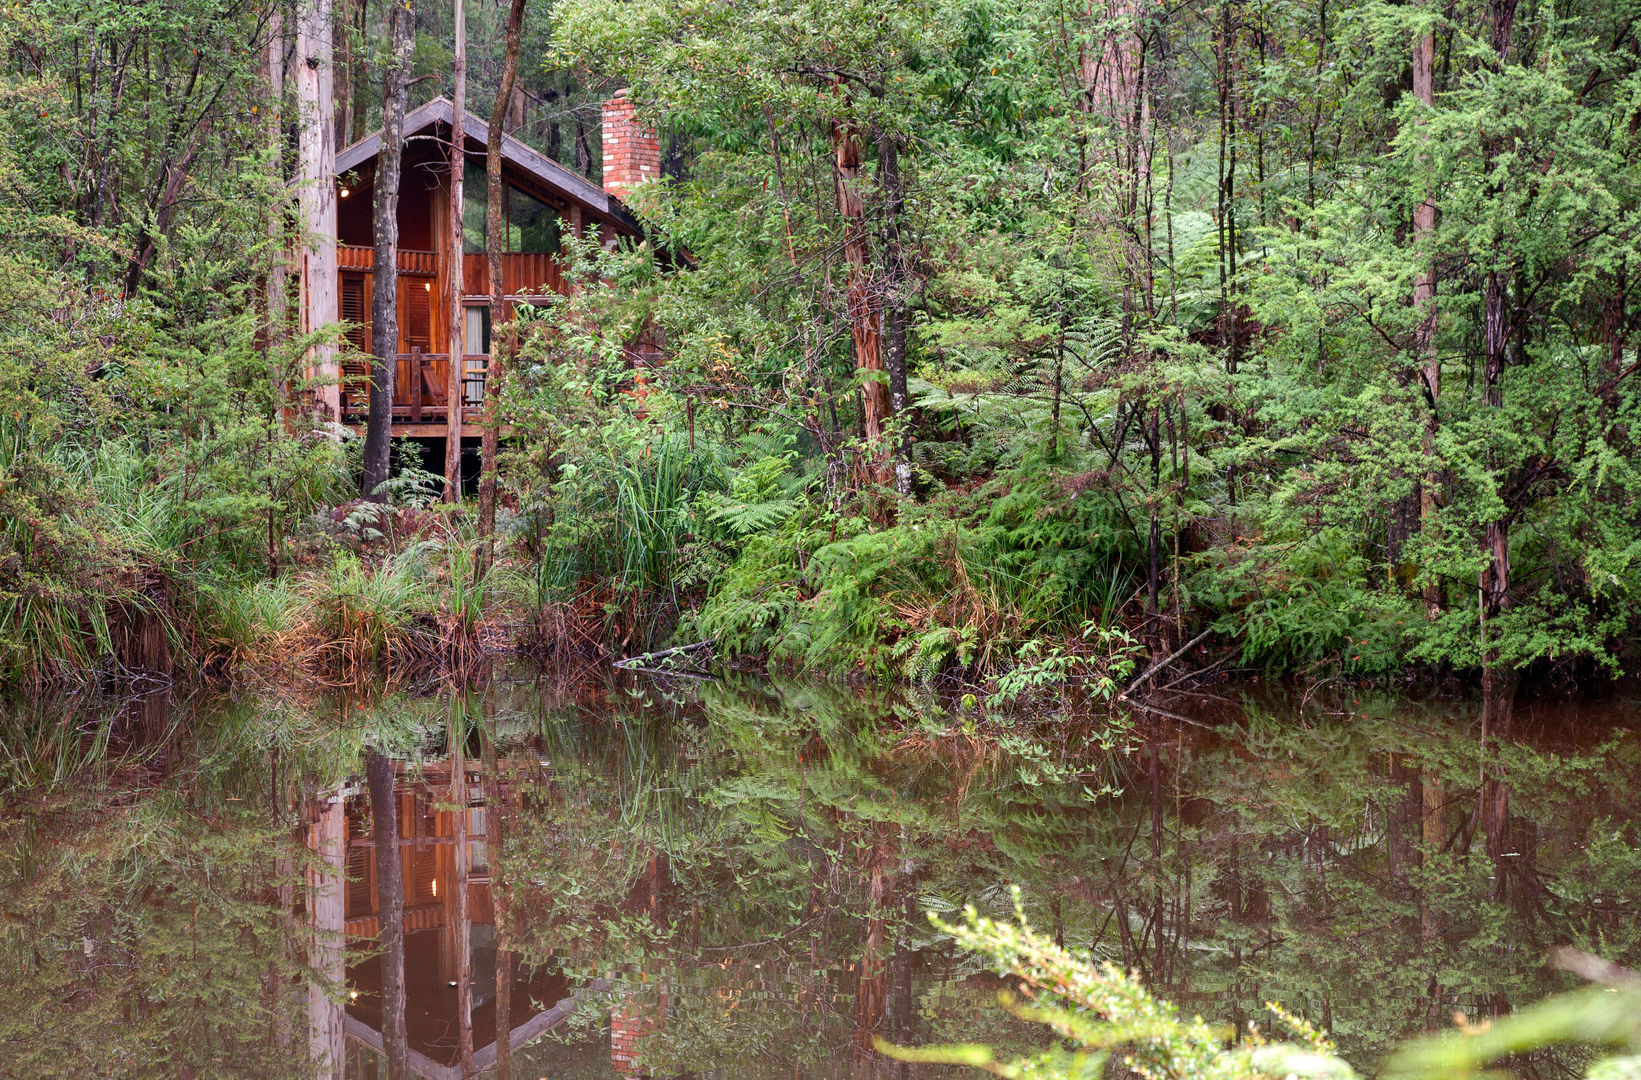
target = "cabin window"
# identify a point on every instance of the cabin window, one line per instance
(476, 339)
(532, 225)
(475, 207)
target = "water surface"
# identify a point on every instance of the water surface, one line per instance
(734, 880)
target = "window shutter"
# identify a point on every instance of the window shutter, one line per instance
(416, 306)
(355, 311)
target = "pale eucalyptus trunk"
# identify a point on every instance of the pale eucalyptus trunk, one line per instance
(458, 162)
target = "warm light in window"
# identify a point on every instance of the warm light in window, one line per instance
(428, 285)
(435, 886)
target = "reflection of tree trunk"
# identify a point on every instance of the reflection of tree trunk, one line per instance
(1493, 801)
(390, 910)
(327, 892)
(1434, 817)
(464, 926)
(494, 824)
(871, 991)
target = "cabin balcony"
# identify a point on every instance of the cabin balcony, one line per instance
(420, 395)
(421, 402)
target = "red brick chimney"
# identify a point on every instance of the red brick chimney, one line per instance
(632, 153)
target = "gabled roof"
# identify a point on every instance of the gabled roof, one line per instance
(546, 171)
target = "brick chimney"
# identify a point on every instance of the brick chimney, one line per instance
(632, 153)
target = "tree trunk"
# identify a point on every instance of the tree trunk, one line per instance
(390, 911)
(501, 345)
(458, 163)
(894, 314)
(1494, 587)
(279, 268)
(342, 48)
(316, 147)
(865, 302)
(1424, 303)
(384, 305)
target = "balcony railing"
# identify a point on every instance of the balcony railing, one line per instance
(522, 273)
(419, 388)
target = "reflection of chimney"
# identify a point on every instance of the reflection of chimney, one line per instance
(631, 1021)
(632, 153)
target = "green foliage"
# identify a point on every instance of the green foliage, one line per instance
(1098, 1010)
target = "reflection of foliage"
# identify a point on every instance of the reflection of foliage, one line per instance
(144, 935)
(1284, 861)
(749, 865)
(1098, 1009)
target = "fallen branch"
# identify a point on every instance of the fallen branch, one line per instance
(649, 658)
(1160, 664)
(674, 673)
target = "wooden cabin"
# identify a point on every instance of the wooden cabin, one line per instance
(544, 202)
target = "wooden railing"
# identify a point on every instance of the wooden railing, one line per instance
(420, 388)
(522, 273)
(418, 263)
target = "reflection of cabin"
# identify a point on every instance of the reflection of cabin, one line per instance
(544, 201)
(433, 936)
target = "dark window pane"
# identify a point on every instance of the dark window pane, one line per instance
(475, 203)
(532, 226)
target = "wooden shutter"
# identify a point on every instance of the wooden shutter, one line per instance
(356, 311)
(415, 314)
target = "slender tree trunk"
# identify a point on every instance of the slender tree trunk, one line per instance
(1424, 302)
(317, 191)
(384, 305)
(1494, 587)
(894, 305)
(501, 319)
(865, 301)
(390, 911)
(342, 46)
(458, 163)
(279, 266)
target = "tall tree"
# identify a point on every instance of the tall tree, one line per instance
(458, 164)
(1424, 302)
(502, 332)
(865, 296)
(384, 304)
(316, 145)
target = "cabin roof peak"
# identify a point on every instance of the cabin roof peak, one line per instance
(545, 170)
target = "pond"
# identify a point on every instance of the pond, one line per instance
(735, 879)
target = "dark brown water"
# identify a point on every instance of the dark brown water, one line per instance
(734, 880)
